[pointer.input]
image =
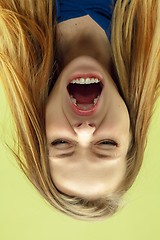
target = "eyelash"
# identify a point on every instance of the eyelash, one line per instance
(110, 142)
(61, 141)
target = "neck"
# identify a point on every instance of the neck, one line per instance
(82, 36)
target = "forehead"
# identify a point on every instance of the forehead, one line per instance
(86, 176)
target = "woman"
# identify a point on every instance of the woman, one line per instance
(82, 108)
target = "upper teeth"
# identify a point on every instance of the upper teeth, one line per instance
(75, 101)
(85, 80)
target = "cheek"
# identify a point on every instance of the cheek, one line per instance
(54, 112)
(57, 125)
(118, 116)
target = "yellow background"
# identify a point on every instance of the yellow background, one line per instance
(24, 215)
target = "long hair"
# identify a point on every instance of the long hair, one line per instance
(28, 65)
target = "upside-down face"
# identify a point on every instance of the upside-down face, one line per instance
(87, 127)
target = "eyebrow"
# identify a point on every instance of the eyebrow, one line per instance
(65, 155)
(102, 155)
(71, 153)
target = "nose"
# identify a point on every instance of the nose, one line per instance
(84, 132)
(84, 126)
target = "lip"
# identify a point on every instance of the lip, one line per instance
(92, 110)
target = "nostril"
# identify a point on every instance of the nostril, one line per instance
(91, 125)
(80, 124)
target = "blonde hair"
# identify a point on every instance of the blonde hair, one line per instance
(28, 63)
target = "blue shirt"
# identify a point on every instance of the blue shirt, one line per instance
(99, 10)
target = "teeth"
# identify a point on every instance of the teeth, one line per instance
(88, 80)
(75, 102)
(96, 100)
(85, 81)
(81, 81)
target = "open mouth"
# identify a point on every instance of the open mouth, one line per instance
(85, 92)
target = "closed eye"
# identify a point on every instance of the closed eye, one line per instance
(108, 142)
(61, 144)
(59, 141)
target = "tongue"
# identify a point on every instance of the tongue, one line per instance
(85, 94)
